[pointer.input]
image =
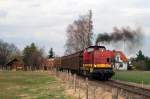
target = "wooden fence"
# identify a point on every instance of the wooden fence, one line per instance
(83, 89)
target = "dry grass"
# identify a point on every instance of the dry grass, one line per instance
(30, 85)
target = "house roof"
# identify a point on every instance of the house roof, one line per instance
(12, 61)
(122, 56)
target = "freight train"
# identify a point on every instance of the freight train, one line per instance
(94, 61)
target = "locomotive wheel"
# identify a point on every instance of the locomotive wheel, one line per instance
(90, 76)
(105, 78)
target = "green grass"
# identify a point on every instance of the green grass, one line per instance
(133, 76)
(30, 85)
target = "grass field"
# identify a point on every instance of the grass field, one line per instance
(30, 85)
(133, 76)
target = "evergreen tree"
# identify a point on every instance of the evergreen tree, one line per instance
(140, 56)
(147, 60)
(51, 53)
(141, 62)
(32, 56)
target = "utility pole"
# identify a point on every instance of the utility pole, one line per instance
(124, 45)
(90, 17)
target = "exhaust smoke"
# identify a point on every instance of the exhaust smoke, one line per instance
(132, 38)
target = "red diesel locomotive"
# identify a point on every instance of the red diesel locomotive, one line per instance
(98, 62)
(94, 61)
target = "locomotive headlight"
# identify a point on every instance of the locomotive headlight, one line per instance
(94, 65)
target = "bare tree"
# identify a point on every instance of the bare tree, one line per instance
(79, 34)
(7, 52)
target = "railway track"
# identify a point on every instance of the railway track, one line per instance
(126, 87)
(130, 88)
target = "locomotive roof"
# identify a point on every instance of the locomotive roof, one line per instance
(96, 46)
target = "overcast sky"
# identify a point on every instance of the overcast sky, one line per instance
(45, 21)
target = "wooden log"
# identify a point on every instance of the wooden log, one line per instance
(74, 82)
(94, 92)
(79, 88)
(87, 91)
(114, 93)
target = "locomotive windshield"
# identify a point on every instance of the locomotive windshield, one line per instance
(90, 49)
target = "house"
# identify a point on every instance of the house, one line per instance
(48, 64)
(15, 64)
(121, 61)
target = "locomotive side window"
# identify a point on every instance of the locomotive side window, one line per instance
(109, 60)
